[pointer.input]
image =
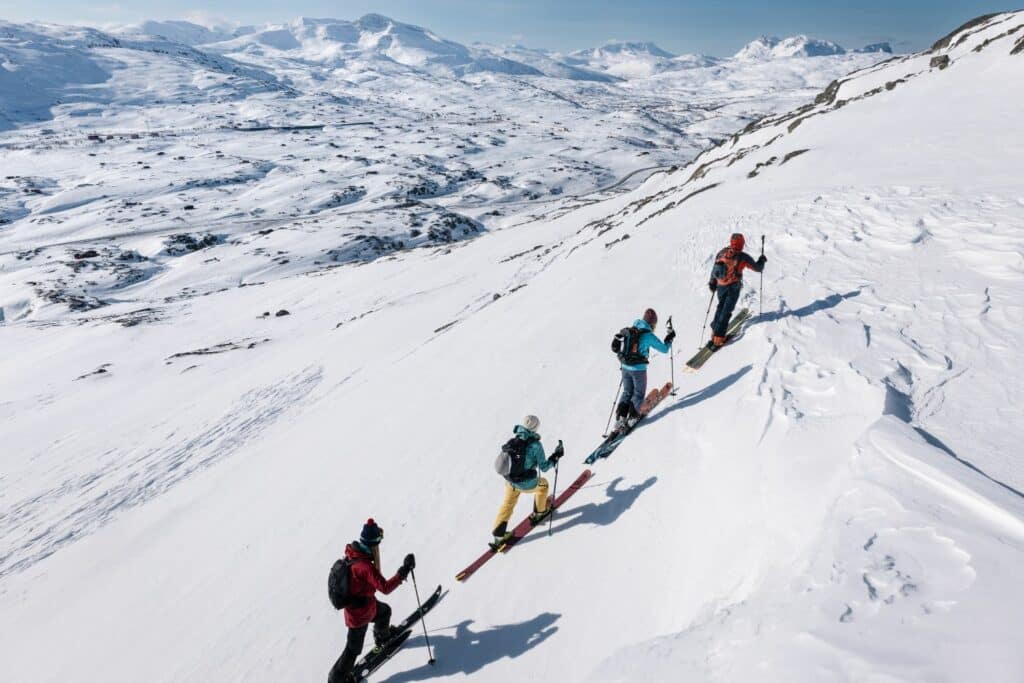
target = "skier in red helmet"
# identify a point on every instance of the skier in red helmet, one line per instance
(727, 280)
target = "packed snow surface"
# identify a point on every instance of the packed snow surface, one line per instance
(202, 406)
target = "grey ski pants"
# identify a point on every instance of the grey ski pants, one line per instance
(634, 388)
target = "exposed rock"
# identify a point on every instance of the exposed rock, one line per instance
(948, 38)
(1018, 47)
(941, 62)
(793, 154)
(179, 245)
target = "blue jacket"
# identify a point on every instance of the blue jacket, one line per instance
(648, 341)
(535, 457)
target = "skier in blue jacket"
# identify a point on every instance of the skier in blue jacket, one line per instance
(527, 461)
(634, 369)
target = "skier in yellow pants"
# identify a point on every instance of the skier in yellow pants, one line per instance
(519, 461)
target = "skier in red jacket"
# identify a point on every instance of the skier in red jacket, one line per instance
(365, 580)
(727, 280)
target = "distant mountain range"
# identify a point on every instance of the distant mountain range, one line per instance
(373, 36)
(765, 48)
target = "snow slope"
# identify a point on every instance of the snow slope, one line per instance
(836, 497)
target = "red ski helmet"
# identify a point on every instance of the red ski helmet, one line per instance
(737, 241)
(651, 318)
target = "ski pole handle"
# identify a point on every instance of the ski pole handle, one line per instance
(762, 245)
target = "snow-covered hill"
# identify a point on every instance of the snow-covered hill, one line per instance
(185, 32)
(335, 42)
(143, 144)
(835, 497)
(50, 70)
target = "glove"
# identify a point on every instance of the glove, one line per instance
(761, 260)
(713, 285)
(407, 566)
(670, 336)
(557, 455)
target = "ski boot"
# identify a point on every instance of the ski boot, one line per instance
(499, 541)
(538, 517)
(383, 637)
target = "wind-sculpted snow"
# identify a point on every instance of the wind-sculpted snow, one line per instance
(837, 495)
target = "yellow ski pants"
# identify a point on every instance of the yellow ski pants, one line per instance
(540, 501)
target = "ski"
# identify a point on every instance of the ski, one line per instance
(612, 441)
(709, 350)
(562, 497)
(373, 660)
(524, 527)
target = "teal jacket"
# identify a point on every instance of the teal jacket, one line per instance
(648, 341)
(535, 457)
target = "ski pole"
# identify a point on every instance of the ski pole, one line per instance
(613, 408)
(705, 321)
(554, 493)
(761, 292)
(672, 358)
(430, 656)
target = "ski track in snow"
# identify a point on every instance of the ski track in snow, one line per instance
(34, 528)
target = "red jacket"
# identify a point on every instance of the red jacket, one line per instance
(364, 582)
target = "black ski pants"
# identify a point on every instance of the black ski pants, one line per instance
(354, 644)
(728, 296)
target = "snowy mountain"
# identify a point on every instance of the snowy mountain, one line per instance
(333, 41)
(209, 391)
(184, 32)
(875, 47)
(634, 60)
(767, 47)
(549, 63)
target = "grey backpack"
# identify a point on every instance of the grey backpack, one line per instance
(511, 461)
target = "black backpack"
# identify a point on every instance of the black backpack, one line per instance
(511, 462)
(626, 345)
(337, 584)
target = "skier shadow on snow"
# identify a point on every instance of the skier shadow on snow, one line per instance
(599, 514)
(830, 301)
(468, 651)
(704, 394)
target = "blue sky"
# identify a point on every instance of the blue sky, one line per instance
(707, 26)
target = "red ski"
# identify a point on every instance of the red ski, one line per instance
(525, 527)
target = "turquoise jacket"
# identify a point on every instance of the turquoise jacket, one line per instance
(648, 341)
(535, 457)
